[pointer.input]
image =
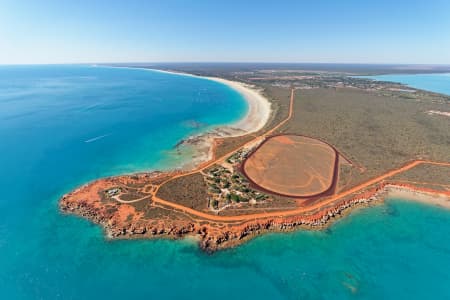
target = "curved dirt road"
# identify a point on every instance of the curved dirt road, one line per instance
(286, 213)
(302, 209)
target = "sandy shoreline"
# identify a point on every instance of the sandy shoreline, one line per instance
(173, 219)
(259, 108)
(417, 195)
(258, 114)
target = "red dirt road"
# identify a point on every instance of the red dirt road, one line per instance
(301, 210)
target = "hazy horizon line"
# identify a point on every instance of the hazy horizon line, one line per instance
(229, 62)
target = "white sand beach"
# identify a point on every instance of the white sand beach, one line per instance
(441, 200)
(258, 114)
(259, 107)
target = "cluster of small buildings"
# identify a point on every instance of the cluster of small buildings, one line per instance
(113, 192)
(227, 188)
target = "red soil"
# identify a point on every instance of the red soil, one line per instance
(292, 165)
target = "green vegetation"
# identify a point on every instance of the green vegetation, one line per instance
(190, 191)
(377, 131)
(378, 126)
(228, 187)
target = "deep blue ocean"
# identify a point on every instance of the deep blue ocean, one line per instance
(61, 126)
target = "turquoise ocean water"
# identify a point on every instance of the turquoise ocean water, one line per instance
(61, 126)
(439, 83)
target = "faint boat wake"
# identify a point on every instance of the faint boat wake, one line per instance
(97, 138)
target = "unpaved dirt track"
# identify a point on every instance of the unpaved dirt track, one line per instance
(301, 210)
(293, 212)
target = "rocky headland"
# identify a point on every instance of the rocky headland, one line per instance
(122, 220)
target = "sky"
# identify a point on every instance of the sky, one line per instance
(338, 31)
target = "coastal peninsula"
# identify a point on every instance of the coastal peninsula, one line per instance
(311, 148)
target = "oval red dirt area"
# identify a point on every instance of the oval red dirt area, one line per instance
(292, 165)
